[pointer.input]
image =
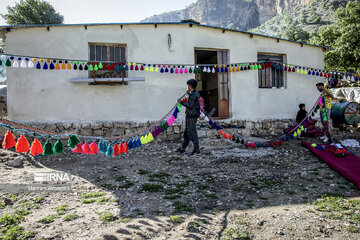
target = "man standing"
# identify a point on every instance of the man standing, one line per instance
(192, 113)
(327, 97)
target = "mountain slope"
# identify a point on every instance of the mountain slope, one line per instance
(236, 14)
(309, 17)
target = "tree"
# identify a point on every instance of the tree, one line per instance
(303, 17)
(292, 32)
(2, 46)
(344, 38)
(29, 12)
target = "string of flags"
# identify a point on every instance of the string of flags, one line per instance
(16, 61)
(294, 133)
(111, 148)
(108, 147)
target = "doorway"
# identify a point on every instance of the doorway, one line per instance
(213, 87)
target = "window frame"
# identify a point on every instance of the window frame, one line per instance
(273, 82)
(122, 56)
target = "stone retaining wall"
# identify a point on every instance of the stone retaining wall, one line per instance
(110, 129)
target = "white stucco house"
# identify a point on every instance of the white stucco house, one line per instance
(45, 95)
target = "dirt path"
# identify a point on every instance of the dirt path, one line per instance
(227, 192)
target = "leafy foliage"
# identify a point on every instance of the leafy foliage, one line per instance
(344, 38)
(29, 12)
(292, 32)
(2, 46)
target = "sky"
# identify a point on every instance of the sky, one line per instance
(106, 11)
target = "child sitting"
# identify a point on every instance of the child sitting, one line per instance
(302, 113)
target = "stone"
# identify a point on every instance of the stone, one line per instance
(51, 127)
(60, 127)
(107, 133)
(246, 132)
(177, 130)
(67, 125)
(117, 131)
(202, 134)
(17, 162)
(86, 132)
(108, 124)
(249, 125)
(85, 125)
(96, 126)
(98, 132)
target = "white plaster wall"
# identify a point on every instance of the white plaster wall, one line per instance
(48, 95)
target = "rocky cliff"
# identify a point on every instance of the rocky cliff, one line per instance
(237, 14)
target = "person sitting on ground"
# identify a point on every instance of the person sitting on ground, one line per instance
(302, 113)
(192, 113)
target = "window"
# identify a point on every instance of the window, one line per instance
(272, 77)
(107, 52)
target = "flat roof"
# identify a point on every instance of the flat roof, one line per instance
(4, 28)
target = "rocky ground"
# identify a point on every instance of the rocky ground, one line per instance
(228, 192)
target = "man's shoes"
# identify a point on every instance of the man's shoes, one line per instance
(180, 150)
(326, 139)
(195, 152)
(323, 137)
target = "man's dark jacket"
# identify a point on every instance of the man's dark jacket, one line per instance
(192, 105)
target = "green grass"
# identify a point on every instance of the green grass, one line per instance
(108, 186)
(239, 221)
(15, 233)
(291, 192)
(162, 177)
(353, 229)
(335, 216)
(120, 178)
(38, 200)
(203, 186)
(236, 233)
(182, 207)
(2, 205)
(143, 172)
(339, 207)
(210, 195)
(173, 159)
(176, 219)
(87, 201)
(48, 219)
(22, 212)
(250, 203)
(106, 217)
(150, 187)
(61, 210)
(127, 184)
(355, 218)
(173, 191)
(171, 196)
(124, 220)
(13, 197)
(11, 229)
(87, 198)
(93, 195)
(8, 220)
(194, 224)
(26, 204)
(102, 200)
(70, 217)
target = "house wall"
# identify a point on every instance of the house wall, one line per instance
(48, 95)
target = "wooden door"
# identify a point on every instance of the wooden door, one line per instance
(223, 83)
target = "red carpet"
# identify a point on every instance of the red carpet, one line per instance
(349, 166)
